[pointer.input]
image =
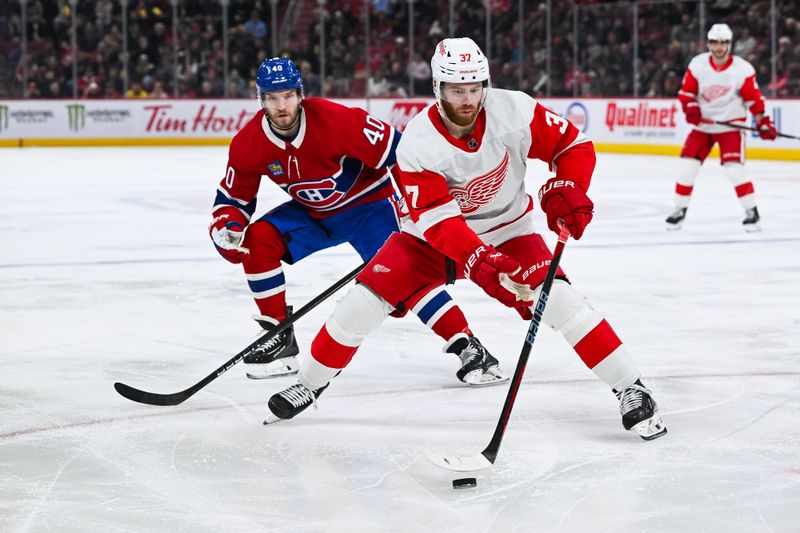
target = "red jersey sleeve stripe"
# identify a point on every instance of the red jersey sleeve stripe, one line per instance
(689, 89)
(556, 141)
(422, 190)
(751, 93)
(577, 164)
(388, 158)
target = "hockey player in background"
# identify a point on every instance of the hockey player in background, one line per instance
(461, 167)
(334, 162)
(719, 87)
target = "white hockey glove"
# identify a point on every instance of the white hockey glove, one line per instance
(228, 238)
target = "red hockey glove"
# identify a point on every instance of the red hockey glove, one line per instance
(227, 236)
(562, 199)
(525, 312)
(766, 129)
(485, 265)
(693, 115)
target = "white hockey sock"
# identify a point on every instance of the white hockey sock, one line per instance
(743, 186)
(689, 168)
(589, 335)
(360, 312)
(313, 374)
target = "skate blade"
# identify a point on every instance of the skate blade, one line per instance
(493, 376)
(652, 428)
(286, 366)
(752, 228)
(674, 227)
(272, 419)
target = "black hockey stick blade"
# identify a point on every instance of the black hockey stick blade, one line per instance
(175, 398)
(487, 457)
(152, 398)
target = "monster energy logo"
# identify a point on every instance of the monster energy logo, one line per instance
(3, 117)
(77, 116)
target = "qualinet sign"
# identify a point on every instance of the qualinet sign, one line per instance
(640, 115)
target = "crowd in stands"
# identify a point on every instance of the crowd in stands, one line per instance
(668, 36)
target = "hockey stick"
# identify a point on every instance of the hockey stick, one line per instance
(487, 457)
(748, 128)
(175, 398)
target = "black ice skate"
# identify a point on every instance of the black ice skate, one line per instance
(275, 357)
(675, 220)
(291, 402)
(640, 412)
(478, 367)
(751, 219)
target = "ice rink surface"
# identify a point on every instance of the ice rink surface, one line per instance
(108, 275)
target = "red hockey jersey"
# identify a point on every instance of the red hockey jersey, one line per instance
(338, 160)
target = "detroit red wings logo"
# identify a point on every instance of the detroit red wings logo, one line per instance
(481, 190)
(710, 94)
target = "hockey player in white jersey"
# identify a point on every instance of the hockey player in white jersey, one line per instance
(719, 87)
(461, 168)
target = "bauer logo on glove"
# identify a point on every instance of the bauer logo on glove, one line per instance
(552, 184)
(562, 200)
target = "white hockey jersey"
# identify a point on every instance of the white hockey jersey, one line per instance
(723, 92)
(482, 177)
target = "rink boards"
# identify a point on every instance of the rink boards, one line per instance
(621, 125)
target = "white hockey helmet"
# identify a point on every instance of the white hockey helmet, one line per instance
(458, 60)
(720, 32)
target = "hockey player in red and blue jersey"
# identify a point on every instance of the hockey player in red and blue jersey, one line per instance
(334, 162)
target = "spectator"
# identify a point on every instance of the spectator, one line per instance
(420, 72)
(668, 35)
(158, 91)
(311, 82)
(378, 85)
(744, 44)
(255, 26)
(136, 91)
(92, 90)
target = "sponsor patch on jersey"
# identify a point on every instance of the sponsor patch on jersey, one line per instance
(380, 269)
(275, 168)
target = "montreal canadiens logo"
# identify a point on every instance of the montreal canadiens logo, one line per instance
(318, 194)
(578, 115)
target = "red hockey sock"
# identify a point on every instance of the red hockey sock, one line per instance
(331, 353)
(263, 269)
(273, 306)
(451, 323)
(598, 344)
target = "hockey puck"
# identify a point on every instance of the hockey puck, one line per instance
(465, 483)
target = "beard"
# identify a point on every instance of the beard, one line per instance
(719, 56)
(454, 115)
(286, 121)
